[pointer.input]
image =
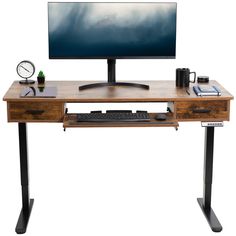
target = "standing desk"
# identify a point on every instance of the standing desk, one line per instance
(181, 107)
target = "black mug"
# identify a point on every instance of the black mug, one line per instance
(183, 77)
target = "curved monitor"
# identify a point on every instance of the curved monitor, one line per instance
(79, 30)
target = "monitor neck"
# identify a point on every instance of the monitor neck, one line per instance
(111, 70)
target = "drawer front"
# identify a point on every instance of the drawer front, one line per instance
(203, 110)
(35, 111)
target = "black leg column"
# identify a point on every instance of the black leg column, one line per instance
(27, 203)
(205, 202)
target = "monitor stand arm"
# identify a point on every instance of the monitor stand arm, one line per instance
(112, 79)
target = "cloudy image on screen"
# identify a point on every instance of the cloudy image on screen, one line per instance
(102, 30)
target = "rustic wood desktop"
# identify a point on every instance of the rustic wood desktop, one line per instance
(182, 105)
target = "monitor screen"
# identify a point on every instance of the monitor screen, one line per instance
(111, 30)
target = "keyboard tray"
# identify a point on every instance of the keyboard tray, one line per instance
(70, 121)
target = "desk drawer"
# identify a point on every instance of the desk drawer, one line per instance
(35, 111)
(202, 110)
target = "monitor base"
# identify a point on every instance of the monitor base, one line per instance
(111, 84)
(111, 80)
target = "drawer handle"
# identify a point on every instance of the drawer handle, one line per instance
(34, 112)
(201, 110)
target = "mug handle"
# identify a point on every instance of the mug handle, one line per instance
(194, 77)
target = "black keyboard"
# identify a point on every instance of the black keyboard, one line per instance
(113, 116)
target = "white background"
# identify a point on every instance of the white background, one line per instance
(119, 181)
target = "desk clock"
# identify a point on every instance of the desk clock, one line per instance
(25, 69)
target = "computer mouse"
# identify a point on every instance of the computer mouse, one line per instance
(160, 116)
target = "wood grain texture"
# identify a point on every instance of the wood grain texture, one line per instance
(35, 111)
(183, 107)
(202, 110)
(67, 91)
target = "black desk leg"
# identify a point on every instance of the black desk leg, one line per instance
(27, 203)
(205, 202)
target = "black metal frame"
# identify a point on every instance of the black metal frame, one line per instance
(27, 203)
(205, 202)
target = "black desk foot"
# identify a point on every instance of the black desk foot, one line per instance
(24, 219)
(210, 216)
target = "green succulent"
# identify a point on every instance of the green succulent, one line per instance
(41, 74)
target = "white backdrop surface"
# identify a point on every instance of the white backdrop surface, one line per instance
(119, 181)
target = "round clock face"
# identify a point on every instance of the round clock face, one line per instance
(25, 69)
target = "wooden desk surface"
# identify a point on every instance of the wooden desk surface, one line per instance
(160, 91)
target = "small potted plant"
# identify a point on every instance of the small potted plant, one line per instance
(41, 77)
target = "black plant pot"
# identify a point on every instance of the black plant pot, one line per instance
(41, 88)
(41, 80)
